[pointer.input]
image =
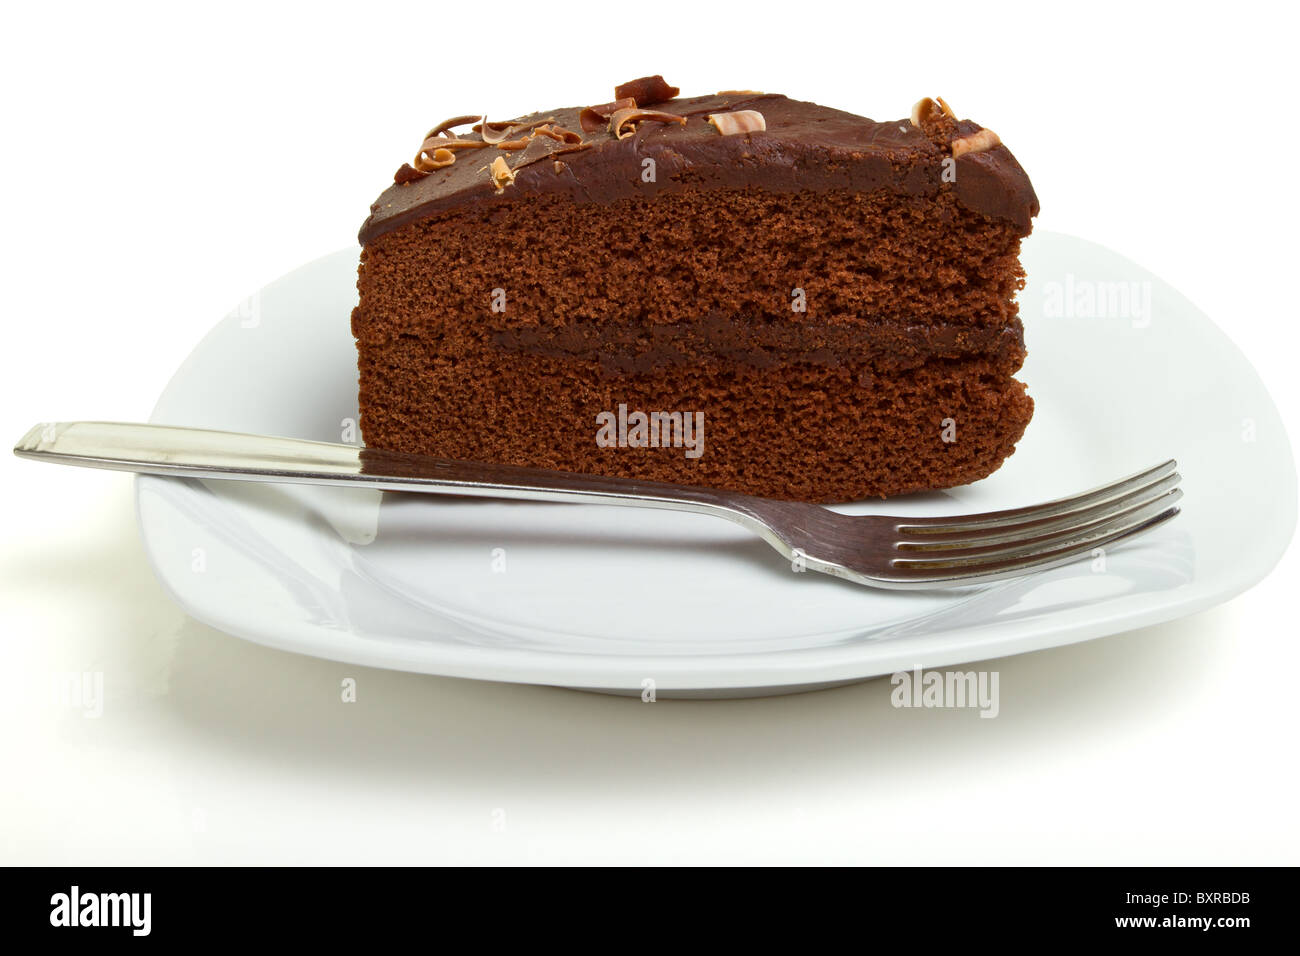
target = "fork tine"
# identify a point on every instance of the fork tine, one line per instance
(938, 543)
(998, 520)
(978, 555)
(1015, 567)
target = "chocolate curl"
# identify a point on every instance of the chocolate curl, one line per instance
(442, 142)
(496, 133)
(407, 173)
(975, 143)
(429, 159)
(646, 91)
(631, 116)
(738, 121)
(501, 173)
(558, 133)
(437, 152)
(595, 117)
(928, 110)
(451, 124)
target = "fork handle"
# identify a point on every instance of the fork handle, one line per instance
(203, 453)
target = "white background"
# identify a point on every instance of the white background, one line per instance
(160, 163)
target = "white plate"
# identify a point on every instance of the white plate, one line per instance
(608, 598)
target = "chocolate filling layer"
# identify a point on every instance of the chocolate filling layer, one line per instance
(621, 347)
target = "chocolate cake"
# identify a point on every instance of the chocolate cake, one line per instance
(739, 290)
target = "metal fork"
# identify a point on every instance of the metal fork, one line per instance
(876, 550)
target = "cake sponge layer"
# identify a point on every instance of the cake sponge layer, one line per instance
(837, 344)
(803, 432)
(857, 260)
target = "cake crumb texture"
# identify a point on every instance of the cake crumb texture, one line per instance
(896, 376)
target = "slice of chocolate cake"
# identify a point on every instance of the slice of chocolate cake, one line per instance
(739, 290)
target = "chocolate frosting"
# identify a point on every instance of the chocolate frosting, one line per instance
(805, 146)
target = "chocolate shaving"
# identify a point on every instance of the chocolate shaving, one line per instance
(975, 143)
(738, 121)
(437, 151)
(595, 117)
(427, 160)
(497, 133)
(646, 91)
(494, 133)
(442, 142)
(924, 110)
(502, 175)
(451, 124)
(928, 111)
(632, 115)
(545, 128)
(406, 173)
(558, 133)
